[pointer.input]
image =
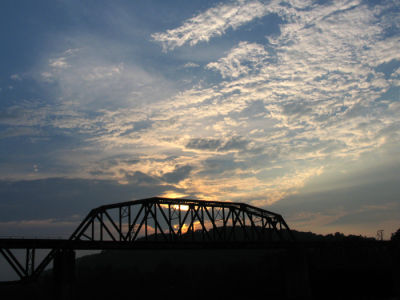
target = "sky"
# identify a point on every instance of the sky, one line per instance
(292, 106)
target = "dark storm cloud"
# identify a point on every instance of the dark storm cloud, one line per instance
(141, 179)
(179, 174)
(219, 164)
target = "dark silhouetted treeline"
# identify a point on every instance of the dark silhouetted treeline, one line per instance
(333, 266)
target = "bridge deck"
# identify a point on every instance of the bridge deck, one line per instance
(13, 243)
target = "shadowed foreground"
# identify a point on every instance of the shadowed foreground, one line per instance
(328, 268)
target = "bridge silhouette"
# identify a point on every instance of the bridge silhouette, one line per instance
(153, 223)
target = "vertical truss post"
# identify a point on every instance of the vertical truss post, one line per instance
(223, 223)
(125, 214)
(233, 224)
(145, 220)
(101, 226)
(244, 224)
(213, 221)
(120, 222)
(180, 221)
(276, 229)
(30, 261)
(255, 232)
(170, 221)
(263, 228)
(202, 223)
(92, 229)
(192, 222)
(254, 229)
(129, 215)
(169, 224)
(269, 229)
(155, 222)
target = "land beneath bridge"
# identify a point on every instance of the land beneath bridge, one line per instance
(315, 267)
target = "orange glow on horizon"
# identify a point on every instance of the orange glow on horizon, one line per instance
(172, 195)
(177, 206)
(185, 227)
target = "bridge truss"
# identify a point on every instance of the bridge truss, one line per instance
(159, 222)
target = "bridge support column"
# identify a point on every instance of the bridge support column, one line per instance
(297, 285)
(64, 273)
(396, 268)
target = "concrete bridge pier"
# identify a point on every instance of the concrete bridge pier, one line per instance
(64, 274)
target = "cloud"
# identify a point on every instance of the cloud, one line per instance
(211, 23)
(24, 114)
(286, 108)
(315, 85)
(18, 131)
(141, 179)
(362, 193)
(87, 77)
(58, 62)
(203, 144)
(244, 59)
(16, 77)
(219, 145)
(180, 173)
(296, 108)
(191, 65)
(235, 143)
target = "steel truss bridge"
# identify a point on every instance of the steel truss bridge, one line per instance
(154, 223)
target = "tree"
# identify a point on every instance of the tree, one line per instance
(396, 236)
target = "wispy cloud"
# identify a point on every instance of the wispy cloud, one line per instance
(315, 89)
(85, 76)
(191, 65)
(244, 59)
(16, 77)
(18, 131)
(211, 23)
